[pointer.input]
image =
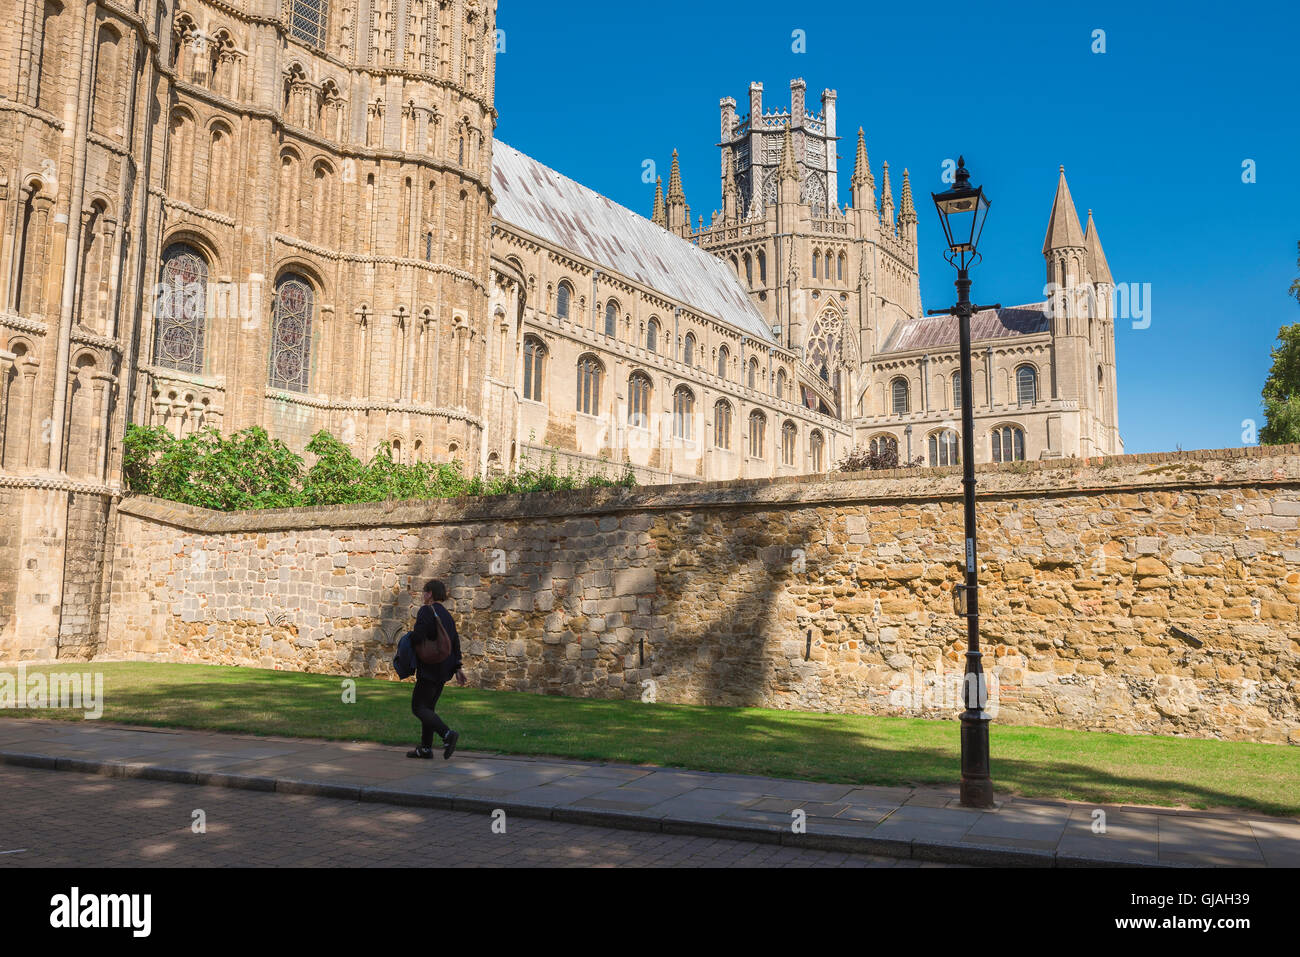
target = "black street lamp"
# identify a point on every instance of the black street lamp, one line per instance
(962, 211)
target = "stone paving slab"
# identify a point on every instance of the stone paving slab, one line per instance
(914, 824)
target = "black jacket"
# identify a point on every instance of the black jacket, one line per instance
(427, 630)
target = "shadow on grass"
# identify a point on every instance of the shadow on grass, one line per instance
(803, 745)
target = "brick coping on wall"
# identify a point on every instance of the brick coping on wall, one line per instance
(1255, 465)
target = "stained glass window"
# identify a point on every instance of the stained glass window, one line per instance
(722, 425)
(757, 426)
(639, 401)
(1026, 385)
(789, 438)
(534, 353)
(683, 413)
(943, 448)
(900, 396)
(589, 372)
(307, 21)
(1008, 444)
(295, 306)
(180, 310)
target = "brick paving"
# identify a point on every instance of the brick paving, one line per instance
(902, 822)
(56, 819)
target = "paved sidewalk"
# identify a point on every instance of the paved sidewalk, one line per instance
(916, 823)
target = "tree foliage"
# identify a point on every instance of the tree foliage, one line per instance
(865, 460)
(1282, 390)
(1295, 283)
(250, 470)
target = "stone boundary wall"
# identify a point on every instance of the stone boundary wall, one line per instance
(1142, 593)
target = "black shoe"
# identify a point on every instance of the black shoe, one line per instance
(450, 742)
(425, 753)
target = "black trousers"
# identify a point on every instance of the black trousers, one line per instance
(424, 699)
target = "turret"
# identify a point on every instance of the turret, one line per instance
(1064, 248)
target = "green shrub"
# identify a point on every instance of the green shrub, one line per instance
(250, 470)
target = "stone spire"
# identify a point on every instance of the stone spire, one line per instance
(862, 166)
(679, 214)
(1063, 228)
(659, 216)
(1097, 265)
(907, 213)
(886, 196)
(675, 191)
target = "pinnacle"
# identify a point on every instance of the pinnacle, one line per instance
(861, 165)
(1097, 265)
(908, 212)
(1063, 227)
(675, 192)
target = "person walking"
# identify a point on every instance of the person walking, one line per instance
(430, 679)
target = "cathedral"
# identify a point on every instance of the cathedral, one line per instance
(294, 214)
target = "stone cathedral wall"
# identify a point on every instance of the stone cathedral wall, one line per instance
(1146, 593)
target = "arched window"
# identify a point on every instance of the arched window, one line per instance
(901, 400)
(652, 335)
(722, 424)
(956, 390)
(688, 350)
(839, 268)
(780, 383)
(884, 445)
(816, 447)
(723, 357)
(611, 318)
(308, 21)
(295, 308)
(749, 271)
(753, 373)
(757, 428)
(762, 268)
(1008, 444)
(180, 310)
(563, 296)
(943, 448)
(589, 374)
(638, 409)
(817, 258)
(1026, 385)
(534, 357)
(789, 440)
(683, 413)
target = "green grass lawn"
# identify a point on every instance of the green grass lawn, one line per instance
(854, 749)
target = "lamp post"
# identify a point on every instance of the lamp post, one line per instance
(962, 211)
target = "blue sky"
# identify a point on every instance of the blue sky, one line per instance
(1153, 134)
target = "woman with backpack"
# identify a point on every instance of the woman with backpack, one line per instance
(435, 646)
